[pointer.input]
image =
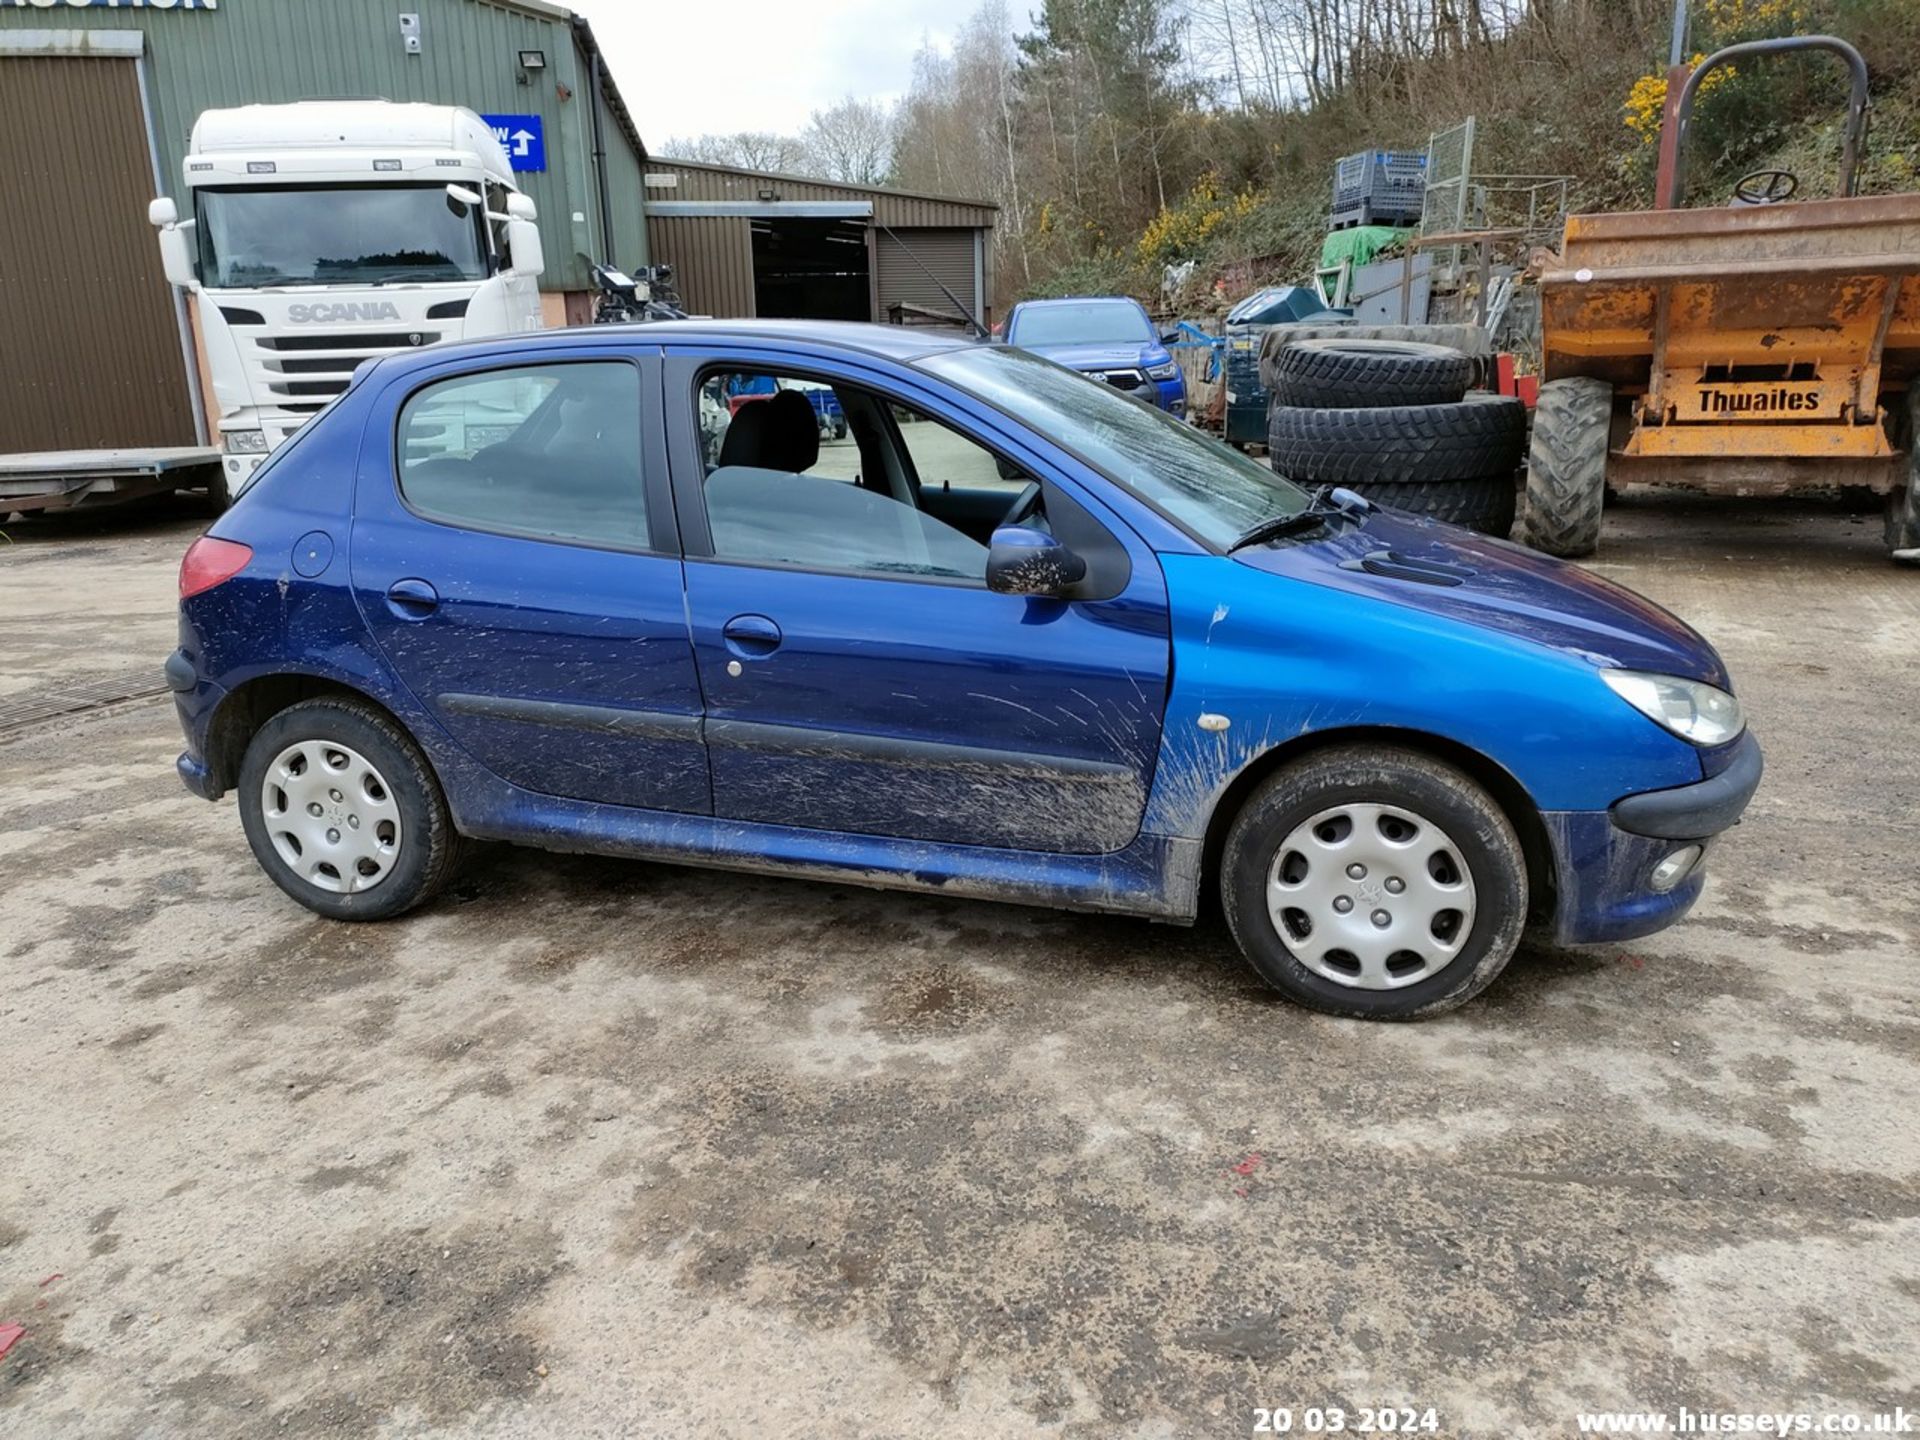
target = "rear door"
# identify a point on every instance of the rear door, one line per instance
(514, 555)
(858, 674)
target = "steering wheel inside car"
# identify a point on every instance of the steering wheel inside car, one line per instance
(1765, 187)
(1023, 505)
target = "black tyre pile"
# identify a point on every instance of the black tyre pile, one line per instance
(1393, 420)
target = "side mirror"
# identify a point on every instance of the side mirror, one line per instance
(520, 207)
(1026, 561)
(177, 258)
(524, 252)
(162, 213)
(463, 198)
(1169, 337)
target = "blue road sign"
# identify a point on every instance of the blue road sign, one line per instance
(524, 138)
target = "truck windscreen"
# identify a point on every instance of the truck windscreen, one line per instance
(336, 235)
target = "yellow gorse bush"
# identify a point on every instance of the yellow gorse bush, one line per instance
(1647, 100)
(1182, 230)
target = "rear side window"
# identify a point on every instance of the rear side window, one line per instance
(544, 450)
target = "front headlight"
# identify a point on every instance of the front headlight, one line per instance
(1691, 710)
(246, 442)
(1163, 372)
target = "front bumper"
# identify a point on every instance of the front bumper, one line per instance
(1604, 859)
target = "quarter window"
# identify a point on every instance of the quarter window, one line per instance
(542, 450)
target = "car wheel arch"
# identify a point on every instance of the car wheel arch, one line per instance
(254, 702)
(1507, 792)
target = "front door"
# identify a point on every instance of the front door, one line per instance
(514, 555)
(858, 674)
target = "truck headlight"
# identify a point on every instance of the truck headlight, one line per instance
(245, 442)
(1691, 710)
(1163, 372)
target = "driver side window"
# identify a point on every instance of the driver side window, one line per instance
(826, 476)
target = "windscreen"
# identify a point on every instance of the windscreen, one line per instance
(1215, 492)
(337, 235)
(1095, 322)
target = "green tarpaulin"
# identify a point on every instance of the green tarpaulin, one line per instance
(1359, 244)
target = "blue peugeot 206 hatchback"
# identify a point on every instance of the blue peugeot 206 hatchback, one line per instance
(1014, 636)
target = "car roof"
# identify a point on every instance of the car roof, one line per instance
(1081, 300)
(887, 342)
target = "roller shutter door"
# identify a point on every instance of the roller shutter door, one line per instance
(90, 353)
(949, 254)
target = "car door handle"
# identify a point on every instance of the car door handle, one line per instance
(751, 636)
(412, 599)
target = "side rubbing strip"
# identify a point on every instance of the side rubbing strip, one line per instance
(889, 750)
(605, 719)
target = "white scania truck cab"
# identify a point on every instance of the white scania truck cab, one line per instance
(329, 232)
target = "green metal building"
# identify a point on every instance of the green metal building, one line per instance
(197, 55)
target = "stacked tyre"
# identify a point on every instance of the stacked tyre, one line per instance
(1393, 419)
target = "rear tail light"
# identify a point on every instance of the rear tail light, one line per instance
(210, 562)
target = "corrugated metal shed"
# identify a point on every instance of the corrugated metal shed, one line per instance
(110, 373)
(272, 51)
(701, 218)
(895, 208)
(712, 259)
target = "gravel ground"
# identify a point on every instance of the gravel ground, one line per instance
(599, 1148)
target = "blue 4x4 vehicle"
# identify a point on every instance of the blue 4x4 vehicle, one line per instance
(1108, 337)
(1020, 638)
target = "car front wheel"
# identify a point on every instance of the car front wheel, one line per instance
(343, 812)
(1374, 883)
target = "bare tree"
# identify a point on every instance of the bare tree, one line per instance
(852, 142)
(744, 149)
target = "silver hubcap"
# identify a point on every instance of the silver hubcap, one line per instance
(1371, 896)
(331, 817)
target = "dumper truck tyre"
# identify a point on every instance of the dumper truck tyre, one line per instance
(1485, 503)
(1397, 444)
(1567, 466)
(1903, 504)
(1366, 374)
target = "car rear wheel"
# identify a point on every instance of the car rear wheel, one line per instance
(343, 812)
(1374, 883)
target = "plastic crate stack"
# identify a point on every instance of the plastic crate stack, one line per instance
(1379, 187)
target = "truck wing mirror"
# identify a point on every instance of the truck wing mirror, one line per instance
(525, 255)
(520, 207)
(176, 249)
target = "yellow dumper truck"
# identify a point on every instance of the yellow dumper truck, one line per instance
(1760, 348)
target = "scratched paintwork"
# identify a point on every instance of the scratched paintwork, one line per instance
(925, 735)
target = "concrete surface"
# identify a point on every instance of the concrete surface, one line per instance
(593, 1148)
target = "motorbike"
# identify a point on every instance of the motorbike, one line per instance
(631, 299)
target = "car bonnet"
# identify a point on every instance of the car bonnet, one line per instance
(1498, 586)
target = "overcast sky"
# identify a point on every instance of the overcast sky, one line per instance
(703, 66)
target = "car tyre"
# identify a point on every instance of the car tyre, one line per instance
(1567, 466)
(1366, 374)
(1398, 444)
(1454, 822)
(403, 793)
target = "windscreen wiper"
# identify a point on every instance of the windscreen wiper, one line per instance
(1316, 515)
